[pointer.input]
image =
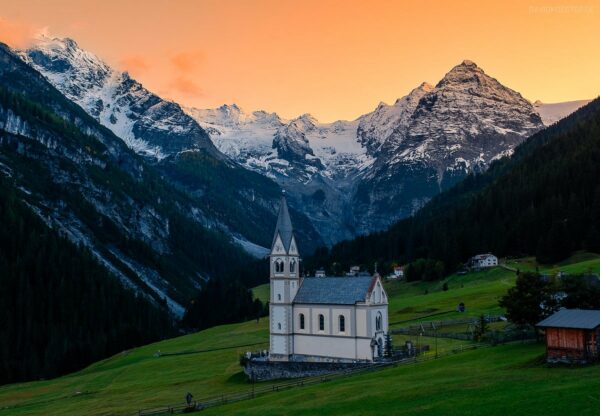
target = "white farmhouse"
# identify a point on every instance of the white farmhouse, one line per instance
(341, 319)
(398, 272)
(482, 261)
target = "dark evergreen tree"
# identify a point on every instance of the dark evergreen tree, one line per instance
(530, 300)
(388, 347)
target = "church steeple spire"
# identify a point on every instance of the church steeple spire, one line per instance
(285, 281)
(284, 228)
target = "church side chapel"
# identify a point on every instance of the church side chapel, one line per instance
(321, 319)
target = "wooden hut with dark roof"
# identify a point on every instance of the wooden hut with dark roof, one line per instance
(572, 335)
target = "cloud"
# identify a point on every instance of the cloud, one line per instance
(187, 62)
(17, 34)
(185, 86)
(134, 64)
(186, 65)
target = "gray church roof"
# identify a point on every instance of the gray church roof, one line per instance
(284, 225)
(334, 290)
(572, 318)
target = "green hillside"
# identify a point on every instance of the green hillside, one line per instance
(261, 292)
(491, 380)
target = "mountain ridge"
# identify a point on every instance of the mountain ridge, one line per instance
(164, 134)
(393, 141)
(353, 177)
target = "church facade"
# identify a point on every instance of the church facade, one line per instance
(342, 319)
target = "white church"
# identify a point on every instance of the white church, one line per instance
(321, 319)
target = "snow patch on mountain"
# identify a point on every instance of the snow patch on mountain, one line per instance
(553, 112)
(148, 124)
(274, 146)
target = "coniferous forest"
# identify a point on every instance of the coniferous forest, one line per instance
(543, 201)
(59, 310)
(221, 302)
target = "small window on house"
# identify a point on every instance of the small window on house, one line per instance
(378, 322)
(321, 323)
(278, 266)
(278, 326)
(342, 323)
(301, 321)
(293, 266)
(278, 296)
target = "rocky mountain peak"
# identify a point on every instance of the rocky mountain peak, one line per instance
(292, 145)
(305, 123)
(425, 86)
(234, 113)
(464, 73)
(468, 63)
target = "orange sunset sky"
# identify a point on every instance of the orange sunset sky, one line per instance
(334, 59)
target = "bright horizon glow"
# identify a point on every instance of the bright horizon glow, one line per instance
(333, 59)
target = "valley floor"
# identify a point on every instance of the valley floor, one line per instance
(488, 381)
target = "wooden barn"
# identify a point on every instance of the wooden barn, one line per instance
(571, 335)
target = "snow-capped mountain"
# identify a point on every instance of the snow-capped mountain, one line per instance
(347, 177)
(553, 112)
(170, 139)
(148, 124)
(376, 127)
(313, 161)
(274, 146)
(361, 175)
(460, 126)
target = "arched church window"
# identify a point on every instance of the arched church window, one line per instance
(378, 322)
(293, 266)
(278, 266)
(301, 321)
(342, 323)
(278, 326)
(278, 296)
(321, 323)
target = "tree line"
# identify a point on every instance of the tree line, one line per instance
(222, 302)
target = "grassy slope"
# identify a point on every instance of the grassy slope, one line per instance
(261, 292)
(490, 379)
(138, 379)
(493, 381)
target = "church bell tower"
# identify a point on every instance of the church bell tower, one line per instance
(284, 262)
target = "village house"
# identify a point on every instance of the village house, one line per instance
(482, 261)
(354, 271)
(398, 272)
(321, 319)
(572, 335)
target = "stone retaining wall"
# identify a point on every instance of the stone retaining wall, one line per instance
(272, 370)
